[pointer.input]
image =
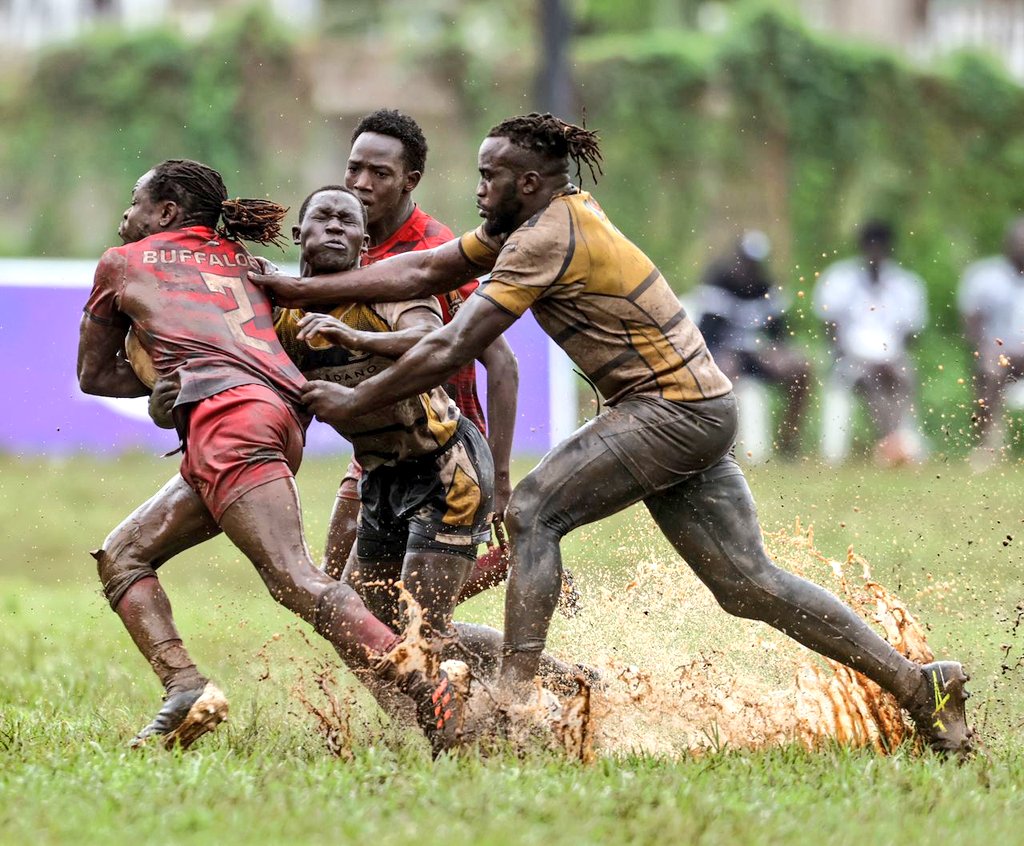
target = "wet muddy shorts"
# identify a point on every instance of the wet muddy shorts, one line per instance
(349, 488)
(662, 443)
(238, 440)
(438, 503)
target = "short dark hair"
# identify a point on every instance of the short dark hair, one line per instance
(199, 190)
(877, 231)
(324, 189)
(397, 125)
(553, 139)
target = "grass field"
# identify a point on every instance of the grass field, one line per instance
(74, 690)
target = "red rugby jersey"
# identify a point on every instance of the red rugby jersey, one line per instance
(421, 232)
(188, 296)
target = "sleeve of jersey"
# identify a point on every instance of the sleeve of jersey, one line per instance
(102, 305)
(392, 312)
(479, 248)
(533, 259)
(286, 326)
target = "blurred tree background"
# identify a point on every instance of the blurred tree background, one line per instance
(715, 117)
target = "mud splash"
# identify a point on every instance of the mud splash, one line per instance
(679, 675)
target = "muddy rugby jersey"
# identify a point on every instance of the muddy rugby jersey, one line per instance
(600, 299)
(413, 427)
(188, 296)
(421, 232)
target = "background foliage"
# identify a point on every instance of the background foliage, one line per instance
(759, 124)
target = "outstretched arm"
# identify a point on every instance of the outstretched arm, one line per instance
(426, 365)
(406, 276)
(502, 395)
(102, 366)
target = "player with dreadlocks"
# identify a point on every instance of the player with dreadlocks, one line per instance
(664, 438)
(180, 284)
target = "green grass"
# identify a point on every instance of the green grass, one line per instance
(74, 689)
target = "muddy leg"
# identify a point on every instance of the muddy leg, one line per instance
(173, 520)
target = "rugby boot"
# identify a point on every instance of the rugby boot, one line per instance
(185, 717)
(939, 711)
(440, 710)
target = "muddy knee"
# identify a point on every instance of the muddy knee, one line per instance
(521, 507)
(748, 588)
(529, 510)
(119, 569)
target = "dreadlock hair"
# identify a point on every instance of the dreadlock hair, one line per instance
(553, 138)
(393, 123)
(324, 188)
(200, 192)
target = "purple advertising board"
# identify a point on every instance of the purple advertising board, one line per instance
(47, 413)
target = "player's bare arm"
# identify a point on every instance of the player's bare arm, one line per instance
(102, 366)
(426, 365)
(502, 396)
(388, 344)
(411, 275)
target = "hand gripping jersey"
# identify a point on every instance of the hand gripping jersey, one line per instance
(418, 426)
(187, 295)
(601, 300)
(421, 232)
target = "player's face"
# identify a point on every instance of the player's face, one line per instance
(331, 234)
(376, 172)
(143, 216)
(497, 192)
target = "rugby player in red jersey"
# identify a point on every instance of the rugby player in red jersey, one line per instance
(385, 165)
(181, 285)
(665, 438)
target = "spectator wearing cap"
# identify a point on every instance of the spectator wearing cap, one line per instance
(742, 318)
(991, 302)
(872, 308)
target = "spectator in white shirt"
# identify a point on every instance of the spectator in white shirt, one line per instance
(872, 309)
(991, 302)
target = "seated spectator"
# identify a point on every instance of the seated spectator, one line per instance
(872, 309)
(743, 320)
(991, 302)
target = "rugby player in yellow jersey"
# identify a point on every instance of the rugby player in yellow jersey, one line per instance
(428, 476)
(427, 473)
(665, 437)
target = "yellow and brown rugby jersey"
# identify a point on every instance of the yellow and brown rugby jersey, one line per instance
(414, 427)
(601, 300)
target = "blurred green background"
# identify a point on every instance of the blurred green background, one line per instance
(715, 117)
